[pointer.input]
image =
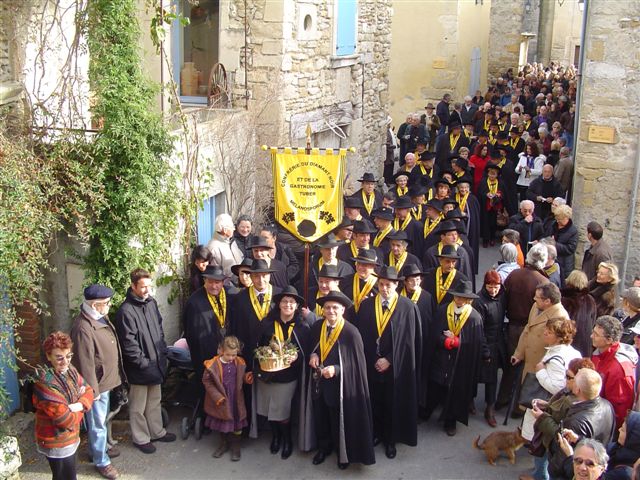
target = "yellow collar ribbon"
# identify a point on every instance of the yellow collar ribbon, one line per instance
(360, 295)
(462, 201)
(442, 287)
(399, 263)
(459, 174)
(405, 222)
(326, 344)
(493, 186)
(382, 318)
(417, 212)
(455, 325)
(354, 249)
(487, 125)
(441, 245)
(319, 311)
(219, 306)
(369, 201)
(280, 334)
(526, 125)
(414, 296)
(453, 140)
(430, 225)
(260, 310)
(402, 191)
(381, 235)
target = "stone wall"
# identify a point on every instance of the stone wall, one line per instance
(506, 20)
(605, 172)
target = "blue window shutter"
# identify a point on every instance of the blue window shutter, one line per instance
(206, 219)
(346, 31)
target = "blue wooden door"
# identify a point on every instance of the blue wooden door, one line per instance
(346, 27)
(206, 221)
(474, 80)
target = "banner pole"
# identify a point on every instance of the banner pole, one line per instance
(306, 244)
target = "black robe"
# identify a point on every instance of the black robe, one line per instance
(399, 345)
(410, 260)
(472, 224)
(429, 284)
(377, 203)
(492, 310)
(344, 270)
(279, 278)
(443, 149)
(346, 287)
(355, 428)
(457, 369)
(246, 325)
(202, 328)
(415, 234)
(509, 177)
(345, 254)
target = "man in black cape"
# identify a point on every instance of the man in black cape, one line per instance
(412, 289)
(405, 222)
(260, 249)
(362, 284)
(361, 238)
(450, 143)
(368, 195)
(437, 280)
(449, 233)
(457, 348)
(469, 206)
(205, 319)
(389, 324)
(327, 255)
(338, 389)
(399, 256)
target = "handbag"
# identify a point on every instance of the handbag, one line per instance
(502, 219)
(531, 388)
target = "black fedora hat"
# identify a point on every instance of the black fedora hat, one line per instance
(246, 262)
(403, 202)
(345, 223)
(214, 271)
(455, 214)
(435, 204)
(463, 163)
(450, 201)
(366, 256)
(353, 202)
(335, 296)
(502, 135)
(448, 251)
(329, 271)
(388, 273)
(417, 190)
(330, 241)
(493, 166)
(425, 156)
(363, 226)
(447, 226)
(442, 181)
(401, 173)
(503, 146)
(495, 153)
(258, 242)
(411, 270)
(384, 213)
(368, 177)
(483, 133)
(399, 235)
(454, 124)
(260, 265)
(514, 129)
(289, 291)
(463, 290)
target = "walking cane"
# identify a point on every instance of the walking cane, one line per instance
(514, 389)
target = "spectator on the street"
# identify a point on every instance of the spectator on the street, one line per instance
(565, 235)
(200, 257)
(581, 308)
(527, 224)
(598, 252)
(509, 263)
(603, 288)
(225, 252)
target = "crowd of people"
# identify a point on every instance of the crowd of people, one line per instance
(387, 325)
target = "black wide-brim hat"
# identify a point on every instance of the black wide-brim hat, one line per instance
(384, 213)
(447, 226)
(388, 273)
(289, 291)
(399, 235)
(260, 265)
(353, 202)
(455, 213)
(335, 296)
(246, 262)
(493, 166)
(502, 135)
(401, 173)
(368, 177)
(411, 270)
(329, 271)
(214, 272)
(258, 242)
(435, 204)
(363, 226)
(442, 181)
(330, 241)
(464, 290)
(366, 256)
(417, 190)
(448, 251)
(403, 202)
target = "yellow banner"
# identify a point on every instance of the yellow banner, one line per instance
(308, 191)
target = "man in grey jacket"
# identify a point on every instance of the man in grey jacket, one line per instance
(98, 359)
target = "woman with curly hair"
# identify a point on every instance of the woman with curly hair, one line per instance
(603, 288)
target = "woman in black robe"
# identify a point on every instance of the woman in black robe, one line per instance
(458, 345)
(490, 304)
(492, 194)
(470, 208)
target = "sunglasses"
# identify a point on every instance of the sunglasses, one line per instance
(586, 461)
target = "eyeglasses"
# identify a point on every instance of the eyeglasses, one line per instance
(102, 304)
(586, 461)
(62, 358)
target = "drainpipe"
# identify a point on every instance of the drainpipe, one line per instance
(579, 85)
(632, 215)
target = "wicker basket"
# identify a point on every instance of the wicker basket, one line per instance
(274, 364)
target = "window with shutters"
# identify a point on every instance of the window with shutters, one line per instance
(346, 27)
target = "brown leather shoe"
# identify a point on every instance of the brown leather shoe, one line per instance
(223, 447)
(490, 417)
(234, 440)
(108, 471)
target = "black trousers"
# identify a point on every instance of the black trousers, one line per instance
(509, 371)
(437, 396)
(490, 393)
(63, 468)
(381, 393)
(327, 425)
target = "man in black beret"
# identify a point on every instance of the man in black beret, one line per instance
(97, 356)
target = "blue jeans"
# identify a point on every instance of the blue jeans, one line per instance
(96, 419)
(541, 467)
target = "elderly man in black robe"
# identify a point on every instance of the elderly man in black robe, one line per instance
(389, 324)
(457, 347)
(338, 388)
(543, 190)
(205, 319)
(439, 280)
(405, 222)
(449, 232)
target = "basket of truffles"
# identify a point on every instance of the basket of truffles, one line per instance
(277, 355)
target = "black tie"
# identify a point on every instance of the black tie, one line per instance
(329, 330)
(261, 298)
(385, 306)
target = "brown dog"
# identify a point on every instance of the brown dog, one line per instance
(507, 442)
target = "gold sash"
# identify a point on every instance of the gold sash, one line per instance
(326, 344)
(441, 288)
(417, 212)
(430, 225)
(453, 140)
(319, 311)
(462, 201)
(414, 296)
(382, 318)
(397, 263)
(369, 201)
(402, 191)
(493, 186)
(260, 310)
(221, 309)
(360, 295)
(405, 222)
(381, 235)
(280, 334)
(354, 249)
(454, 326)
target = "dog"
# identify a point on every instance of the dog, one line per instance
(507, 442)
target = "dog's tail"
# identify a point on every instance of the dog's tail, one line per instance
(479, 446)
